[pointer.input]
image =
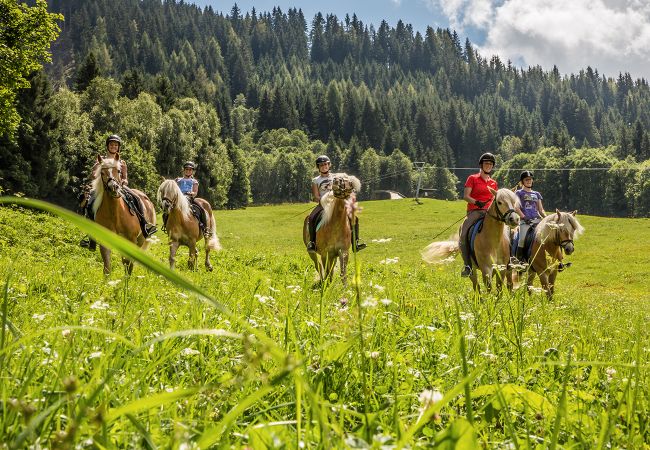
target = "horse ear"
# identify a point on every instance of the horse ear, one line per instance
(117, 156)
(99, 158)
(492, 191)
(573, 213)
(559, 214)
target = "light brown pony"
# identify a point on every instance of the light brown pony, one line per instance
(334, 235)
(183, 228)
(553, 235)
(111, 211)
(491, 246)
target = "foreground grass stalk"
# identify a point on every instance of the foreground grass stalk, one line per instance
(463, 357)
(561, 407)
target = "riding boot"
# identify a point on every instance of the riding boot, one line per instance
(464, 251)
(165, 216)
(311, 245)
(356, 242)
(520, 254)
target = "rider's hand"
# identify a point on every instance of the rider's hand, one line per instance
(479, 203)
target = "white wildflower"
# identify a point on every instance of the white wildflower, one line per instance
(374, 355)
(386, 301)
(382, 240)
(38, 317)
(430, 397)
(94, 355)
(610, 371)
(66, 333)
(189, 352)
(114, 283)
(272, 289)
(442, 356)
(389, 261)
(369, 302)
(100, 305)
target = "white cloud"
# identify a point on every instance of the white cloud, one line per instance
(609, 35)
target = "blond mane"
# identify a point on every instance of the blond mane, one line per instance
(98, 185)
(169, 190)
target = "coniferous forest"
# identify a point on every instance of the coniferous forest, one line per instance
(254, 96)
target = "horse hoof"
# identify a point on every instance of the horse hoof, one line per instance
(208, 268)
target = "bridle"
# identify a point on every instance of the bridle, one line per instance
(501, 217)
(342, 187)
(111, 179)
(562, 243)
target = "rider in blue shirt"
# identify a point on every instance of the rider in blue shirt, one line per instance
(188, 184)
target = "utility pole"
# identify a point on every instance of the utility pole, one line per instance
(419, 166)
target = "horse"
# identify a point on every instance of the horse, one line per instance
(334, 234)
(491, 248)
(182, 226)
(553, 235)
(111, 210)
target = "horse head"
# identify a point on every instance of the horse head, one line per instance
(170, 197)
(566, 228)
(110, 172)
(344, 185)
(504, 204)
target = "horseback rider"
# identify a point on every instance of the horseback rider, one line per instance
(319, 186)
(113, 147)
(190, 188)
(531, 211)
(478, 198)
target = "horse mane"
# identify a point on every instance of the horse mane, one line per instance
(549, 223)
(169, 189)
(511, 196)
(98, 185)
(328, 200)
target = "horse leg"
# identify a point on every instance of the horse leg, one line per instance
(551, 283)
(106, 257)
(173, 247)
(487, 279)
(530, 280)
(208, 265)
(474, 277)
(330, 262)
(343, 261)
(191, 263)
(543, 279)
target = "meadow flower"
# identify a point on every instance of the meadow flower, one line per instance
(38, 317)
(294, 289)
(488, 355)
(263, 299)
(610, 371)
(114, 283)
(189, 352)
(94, 355)
(386, 301)
(442, 356)
(272, 289)
(100, 305)
(389, 261)
(377, 287)
(369, 302)
(374, 355)
(382, 240)
(428, 398)
(66, 333)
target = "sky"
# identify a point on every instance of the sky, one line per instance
(612, 36)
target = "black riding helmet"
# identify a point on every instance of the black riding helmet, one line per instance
(321, 160)
(114, 138)
(487, 157)
(189, 165)
(526, 174)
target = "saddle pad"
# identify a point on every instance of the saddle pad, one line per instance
(528, 243)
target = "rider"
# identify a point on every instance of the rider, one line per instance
(319, 186)
(113, 147)
(478, 198)
(190, 188)
(531, 211)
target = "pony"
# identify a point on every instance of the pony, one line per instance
(554, 236)
(111, 210)
(334, 234)
(491, 248)
(182, 226)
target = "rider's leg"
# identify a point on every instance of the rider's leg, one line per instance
(311, 226)
(472, 217)
(356, 242)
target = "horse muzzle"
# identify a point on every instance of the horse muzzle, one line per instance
(512, 220)
(568, 248)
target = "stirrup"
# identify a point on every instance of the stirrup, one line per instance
(149, 229)
(358, 246)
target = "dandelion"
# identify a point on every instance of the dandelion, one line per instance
(382, 240)
(114, 283)
(189, 352)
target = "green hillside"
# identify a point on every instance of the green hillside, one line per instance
(117, 363)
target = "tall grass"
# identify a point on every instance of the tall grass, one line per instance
(256, 354)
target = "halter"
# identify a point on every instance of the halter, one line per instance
(112, 178)
(500, 217)
(562, 243)
(171, 203)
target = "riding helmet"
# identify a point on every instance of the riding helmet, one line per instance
(487, 157)
(526, 174)
(114, 138)
(189, 165)
(321, 160)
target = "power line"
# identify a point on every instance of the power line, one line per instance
(544, 169)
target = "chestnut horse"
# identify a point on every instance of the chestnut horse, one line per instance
(111, 210)
(334, 233)
(183, 228)
(491, 245)
(553, 235)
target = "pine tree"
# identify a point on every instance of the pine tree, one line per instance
(239, 191)
(88, 71)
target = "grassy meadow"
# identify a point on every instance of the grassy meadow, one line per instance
(256, 355)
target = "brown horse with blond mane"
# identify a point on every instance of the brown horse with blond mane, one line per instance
(554, 236)
(112, 211)
(334, 232)
(183, 228)
(491, 250)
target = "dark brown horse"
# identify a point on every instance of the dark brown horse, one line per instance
(183, 228)
(334, 234)
(491, 246)
(112, 212)
(554, 236)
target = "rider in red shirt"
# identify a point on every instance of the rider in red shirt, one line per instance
(478, 198)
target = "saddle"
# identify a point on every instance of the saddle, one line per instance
(199, 213)
(133, 202)
(528, 243)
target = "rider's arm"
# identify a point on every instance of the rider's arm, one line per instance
(540, 209)
(467, 197)
(195, 189)
(315, 193)
(519, 211)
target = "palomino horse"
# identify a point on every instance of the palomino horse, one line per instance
(111, 210)
(334, 234)
(182, 227)
(491, 245)
(554, 234)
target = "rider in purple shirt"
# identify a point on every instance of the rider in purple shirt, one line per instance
(531, 210)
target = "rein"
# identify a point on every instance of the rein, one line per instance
(501, 217)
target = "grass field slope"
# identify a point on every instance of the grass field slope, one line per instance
(257, 355)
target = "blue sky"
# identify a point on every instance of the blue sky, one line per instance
(609, 35)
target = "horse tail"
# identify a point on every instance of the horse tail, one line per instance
(213, 243)
(437, 252)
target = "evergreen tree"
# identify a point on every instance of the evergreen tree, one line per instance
(88, 71)
(239, 191)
